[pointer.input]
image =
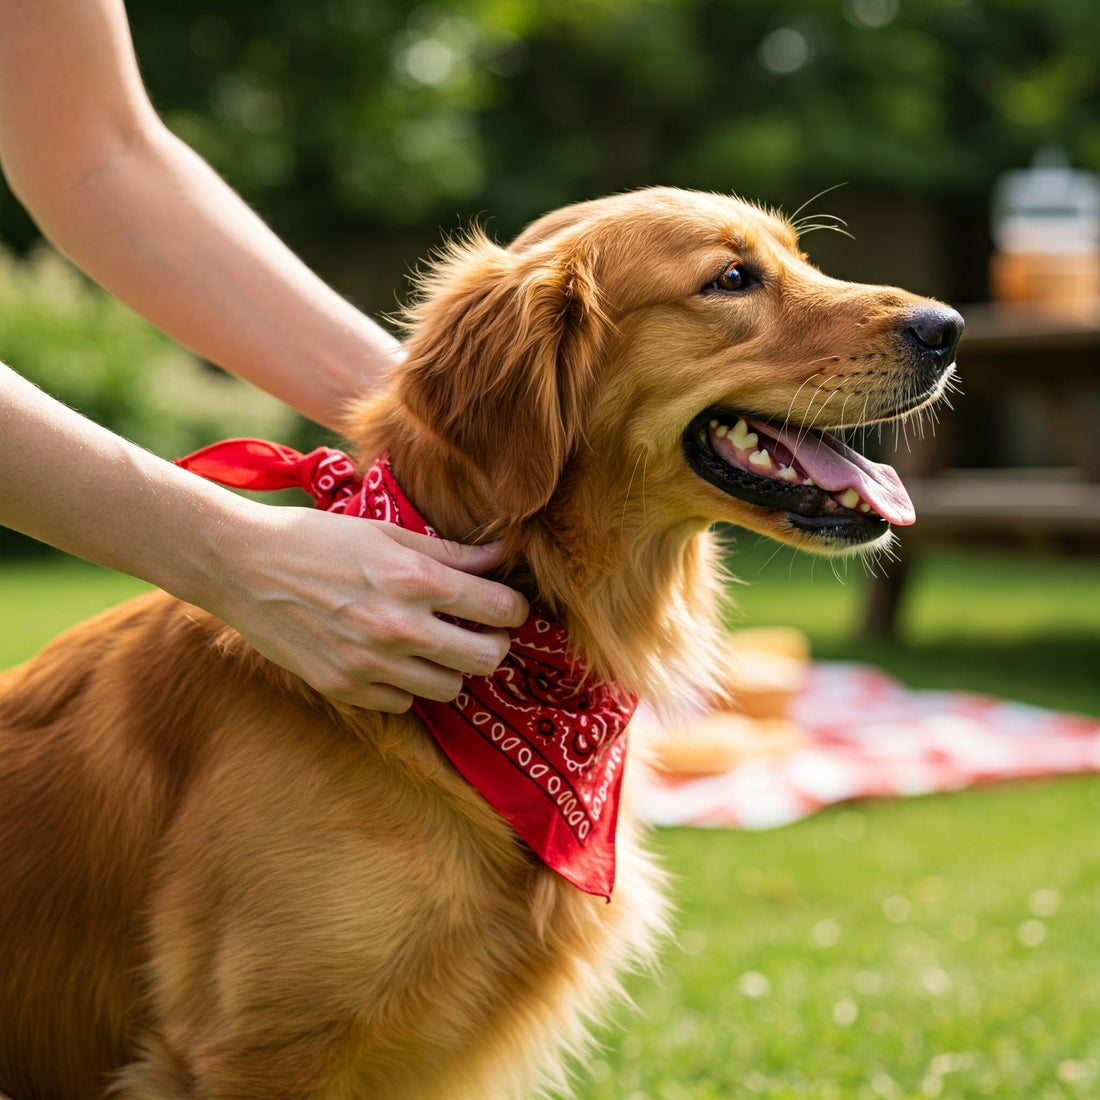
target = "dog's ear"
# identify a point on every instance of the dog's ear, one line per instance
(501, 359)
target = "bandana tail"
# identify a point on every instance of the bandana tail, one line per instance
(328, 475)
(248, 464)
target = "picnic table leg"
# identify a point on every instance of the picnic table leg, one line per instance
(884, 598)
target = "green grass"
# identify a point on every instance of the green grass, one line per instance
(937, 947)
(41, 597)
(941, 947)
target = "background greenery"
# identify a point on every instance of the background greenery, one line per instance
(360, 117)
(359, 128)
(98, 356)
(365, 130)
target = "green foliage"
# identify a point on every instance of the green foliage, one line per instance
(82, 346)
(403, 111)
(337, 109)
(359, 128)
(360, 112)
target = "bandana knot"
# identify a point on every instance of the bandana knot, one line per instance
(540, 739)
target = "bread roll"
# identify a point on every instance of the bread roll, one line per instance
(716, 743)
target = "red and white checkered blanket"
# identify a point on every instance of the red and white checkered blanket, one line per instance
(871, 737)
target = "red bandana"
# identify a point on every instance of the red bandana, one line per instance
(543, 746)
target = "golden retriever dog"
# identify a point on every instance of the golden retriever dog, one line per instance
(217, 885)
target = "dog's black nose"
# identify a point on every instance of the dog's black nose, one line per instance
(935, 330)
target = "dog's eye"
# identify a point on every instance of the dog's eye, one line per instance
(733, 279)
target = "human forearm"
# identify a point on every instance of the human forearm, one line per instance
(156, 227)
(350, 605)
(68, 482)
(353, 607)
(152, 222)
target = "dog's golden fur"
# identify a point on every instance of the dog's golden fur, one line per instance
(218, 885)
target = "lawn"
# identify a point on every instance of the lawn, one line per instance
(40, 597)
(945, 946)
(936, 947)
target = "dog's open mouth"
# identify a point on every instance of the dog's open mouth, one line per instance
(821, 485)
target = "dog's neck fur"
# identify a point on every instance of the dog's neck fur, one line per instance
(644, 611)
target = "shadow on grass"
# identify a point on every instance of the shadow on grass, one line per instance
(1053, 670)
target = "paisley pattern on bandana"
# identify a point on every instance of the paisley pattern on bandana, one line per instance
(543, 742)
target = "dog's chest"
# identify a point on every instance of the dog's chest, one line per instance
(358, 885)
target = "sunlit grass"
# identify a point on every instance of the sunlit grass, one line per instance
(1022, 626)
(937, 947)
(941, 947)
(955, 593)
(40, 597)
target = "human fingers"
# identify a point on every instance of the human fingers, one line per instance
(353, 607)
(381, 697)
(398, 686)
(477, 652)
(459, 591)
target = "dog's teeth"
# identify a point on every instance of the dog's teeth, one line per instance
(742, 437)
(787, 473)
(762, 460)
(864, 506)
(714, 423)
(849, 498)
(721, 430)
(809, 481)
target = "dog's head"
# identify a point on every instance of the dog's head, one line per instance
(633, 369)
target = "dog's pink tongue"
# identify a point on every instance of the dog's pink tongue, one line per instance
(834, 466)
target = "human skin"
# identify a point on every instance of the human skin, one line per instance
(348, 605)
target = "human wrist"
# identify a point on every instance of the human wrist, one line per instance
(214, 547)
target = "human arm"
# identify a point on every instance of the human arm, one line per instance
(114, 189)
(347, 605)
(358, 622)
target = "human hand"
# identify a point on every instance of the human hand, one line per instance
(352, 605)
(349, 605)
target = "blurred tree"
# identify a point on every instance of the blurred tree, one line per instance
(357, 127)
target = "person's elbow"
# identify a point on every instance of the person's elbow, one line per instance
(57, 175)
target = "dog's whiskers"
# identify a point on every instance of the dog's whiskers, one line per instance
(875, 560)
(836, 226)
(800, 225)
(790, 407)
(863, 418)
(834, 565)
(810, 421)
(771, 557)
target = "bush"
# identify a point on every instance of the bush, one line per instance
(88, 350)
